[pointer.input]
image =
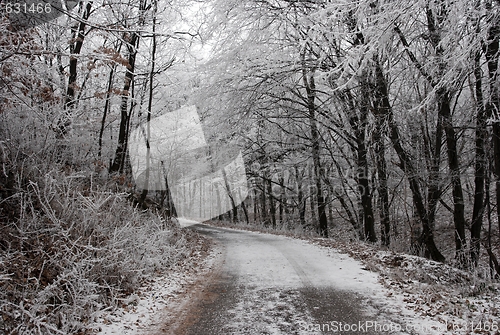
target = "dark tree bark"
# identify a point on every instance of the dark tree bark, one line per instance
(132, 39)
(311, 195)
(385, 224)
(481, 161)
(106, 109)
(120, 154)
(362, 163)
(125, 116)
(434, 190)
(300, 198)
(75, 48)
(362, 177)
(443, 96)
(435, 20)
(492, 49)
(454, 166)
(481, 195)
(310, 86)
(493, 262)
(406, 163)
(359, 125)
(245, 212)
(255, 204)
(282, 202)
(263, 202)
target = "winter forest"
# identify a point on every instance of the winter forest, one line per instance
(370, 120)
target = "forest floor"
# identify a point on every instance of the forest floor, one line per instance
(425, 296)
(462, 302)
(161, 298)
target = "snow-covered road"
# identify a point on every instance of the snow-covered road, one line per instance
(255, 283)
(268, 284)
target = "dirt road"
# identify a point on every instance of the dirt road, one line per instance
(268, 284)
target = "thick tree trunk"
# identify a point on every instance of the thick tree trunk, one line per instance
(120, 154)
(282, 202)
(245, 212)
(434, 191)
(454, 166)
(300, 198)
(427, 238)
(385, 225)
(362, 163)
(492, 54)
(255, 203)
(263, 216)
(435, 19)
(480, 166)
(321, 203)
(310, 86)
(312, 197)
(78, 34)
(358, 123)
(106, 109)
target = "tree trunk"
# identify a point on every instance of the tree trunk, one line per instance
(385, 225)
(124, 124)
(312, 194)
(480, 166)
(282, 201)
(427, 238)
(310, 86)
(492, 54)
(454, 166)
(245, 212)
(435, 19)
(263, 202)
(106, 109)
(120, 154)
(362, 163)
(255, 203)
(300, 198)
(78, 36)
(358, 124)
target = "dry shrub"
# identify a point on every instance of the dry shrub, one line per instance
(70, 248)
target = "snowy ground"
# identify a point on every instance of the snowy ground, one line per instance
(266, 292)
(159, 299)
(459, 301)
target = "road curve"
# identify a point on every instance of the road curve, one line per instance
(268, 284)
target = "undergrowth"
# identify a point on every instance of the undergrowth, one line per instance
(70, 248)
